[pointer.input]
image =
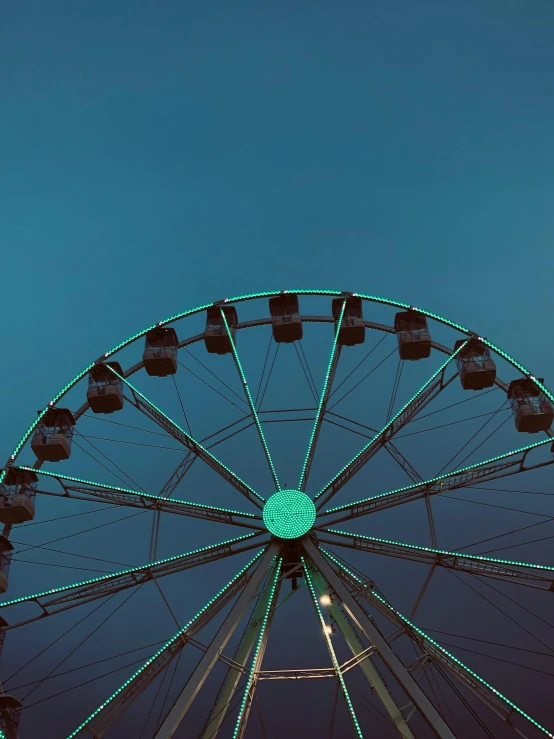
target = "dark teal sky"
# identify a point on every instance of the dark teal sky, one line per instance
(160, 155)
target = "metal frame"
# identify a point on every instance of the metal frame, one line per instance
(196, 680)
(467, 678)
(352, 608)
(320, 575)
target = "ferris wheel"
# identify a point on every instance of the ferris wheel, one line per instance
(300, 423)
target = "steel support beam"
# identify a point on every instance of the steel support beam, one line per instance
(152, 412)
(463, 478)
(112, 709)
(421, 399)
(489, 696)
(182, 703)
(531, 575)
(77, 594)
(146, 501)
(368, 668)
(356, 613)
(229, 686)
(257, 664)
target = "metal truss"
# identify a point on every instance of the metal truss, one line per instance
(467, 678)
(254, 589)
(432, 388)
(198, 677)
(492, 469)
(241, 656)
(535, 576)
(112, 709)
(259, 652)
(152, 412)
(368, 628)
(362, 657)
(77, 594)
(88, 490)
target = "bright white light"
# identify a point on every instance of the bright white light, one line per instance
(329, 629)
(325, 600)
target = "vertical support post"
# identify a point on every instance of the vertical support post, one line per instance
(332, 655)
(431, 520)
(355, 612)
(251, 683)
(225, 695)
(182, 703)
(367, 667)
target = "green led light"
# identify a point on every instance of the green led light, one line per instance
(126, 491)
(250, 400)
(332, 651)
(520, 367)
(129, 571)
(289, 514)
(165, 646)
(438, 646)
(458, 555)
(250, 296)
(188, 436)
(391, 422)
(261, 635)
(426, 483)
(322, 397)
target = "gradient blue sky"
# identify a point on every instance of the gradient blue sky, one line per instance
(160, 155)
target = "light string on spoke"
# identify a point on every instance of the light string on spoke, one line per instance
(388, 425)
(270, 294)
(332, 654)
(322, 398)
(435, 644)
(167, 644)
(250, 401)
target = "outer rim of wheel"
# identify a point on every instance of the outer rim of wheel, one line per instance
(254, 296)
(257, 296)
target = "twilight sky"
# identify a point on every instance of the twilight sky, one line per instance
(161, 155)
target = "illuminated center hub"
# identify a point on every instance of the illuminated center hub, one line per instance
(289, 514)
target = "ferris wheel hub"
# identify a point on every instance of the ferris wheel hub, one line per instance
(289, 514)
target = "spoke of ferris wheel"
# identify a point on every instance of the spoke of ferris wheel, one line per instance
(428, 392)
(250, 400)
(184, 700)
(487, 694)
(332, 655)
(366, 665)
(241, 656)
(259, 651)
(521, 573)
(490, 469)
(75, 594)
(150, 410)
(113, 707)
(77, 488)
(324, 397)
(360, 619)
